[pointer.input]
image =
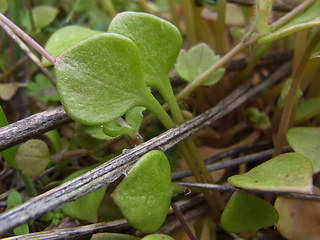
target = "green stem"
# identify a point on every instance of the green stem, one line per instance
(188, 18)
(221, 8)
(237, 49)
(108, 6)
(290, 104)
(28, 184)
(174, 15)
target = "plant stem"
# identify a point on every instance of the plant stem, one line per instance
(108, 5)
(221, 25)
(290, 104)
(29, 185)
(237, 49)
(183, 222)
(27, 38)
(174, 15)
(188, 18)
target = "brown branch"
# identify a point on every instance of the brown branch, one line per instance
(29, 127)
(111, 170)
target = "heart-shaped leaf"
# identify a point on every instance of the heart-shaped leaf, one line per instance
(100, 79)
(245, 211)
(65, 38)
(299, 219)
(42, 15)
(113, 236)
(290, 172)
(306, 141)
(196, 61)
(157, 237)
(144, 196)
(158, 41)
(85, 207)
(307, 109)
(32, 157)
(307, 19)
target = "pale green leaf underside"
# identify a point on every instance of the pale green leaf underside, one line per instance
(245, 211)
(307, 19)
(196, 61)
(144, 196)
(306, 141)
(65, 38)
(100, 79)
(290, 172)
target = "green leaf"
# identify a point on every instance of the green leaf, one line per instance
(14, 199)
(90, 137)
(65, 38)
(257, 118)
(42, 89)
(157, 237)
(196, 61)
(307, 109)
(284, 93)
(8, 90)
(298, 218)
(21, 230)
(159, 43)
(3, 6)
(134, 117)
(157, 40)
(100, 79)
(42, 15)
(32, 157)
(85, 207)
(290, 172)
(8, 154)
(113, 236)
(305, 141)
(245, 211)
(144, 196)
(307, 19)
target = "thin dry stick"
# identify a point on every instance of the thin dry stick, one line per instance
(314, 197)
(183, 221)
(111, 170)
(27, 38)
(30, 54)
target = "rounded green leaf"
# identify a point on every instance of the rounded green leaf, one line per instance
(113, 236)
(157, 237)
(299, 219)
(307, 109)
(144, 195)
(65, 38)
(87, 206)
(290, 172)
(100, 79)
(306, 141)
(32, 157)
(245, 211)
(158, 41)
(42, 15)
(196, 61)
